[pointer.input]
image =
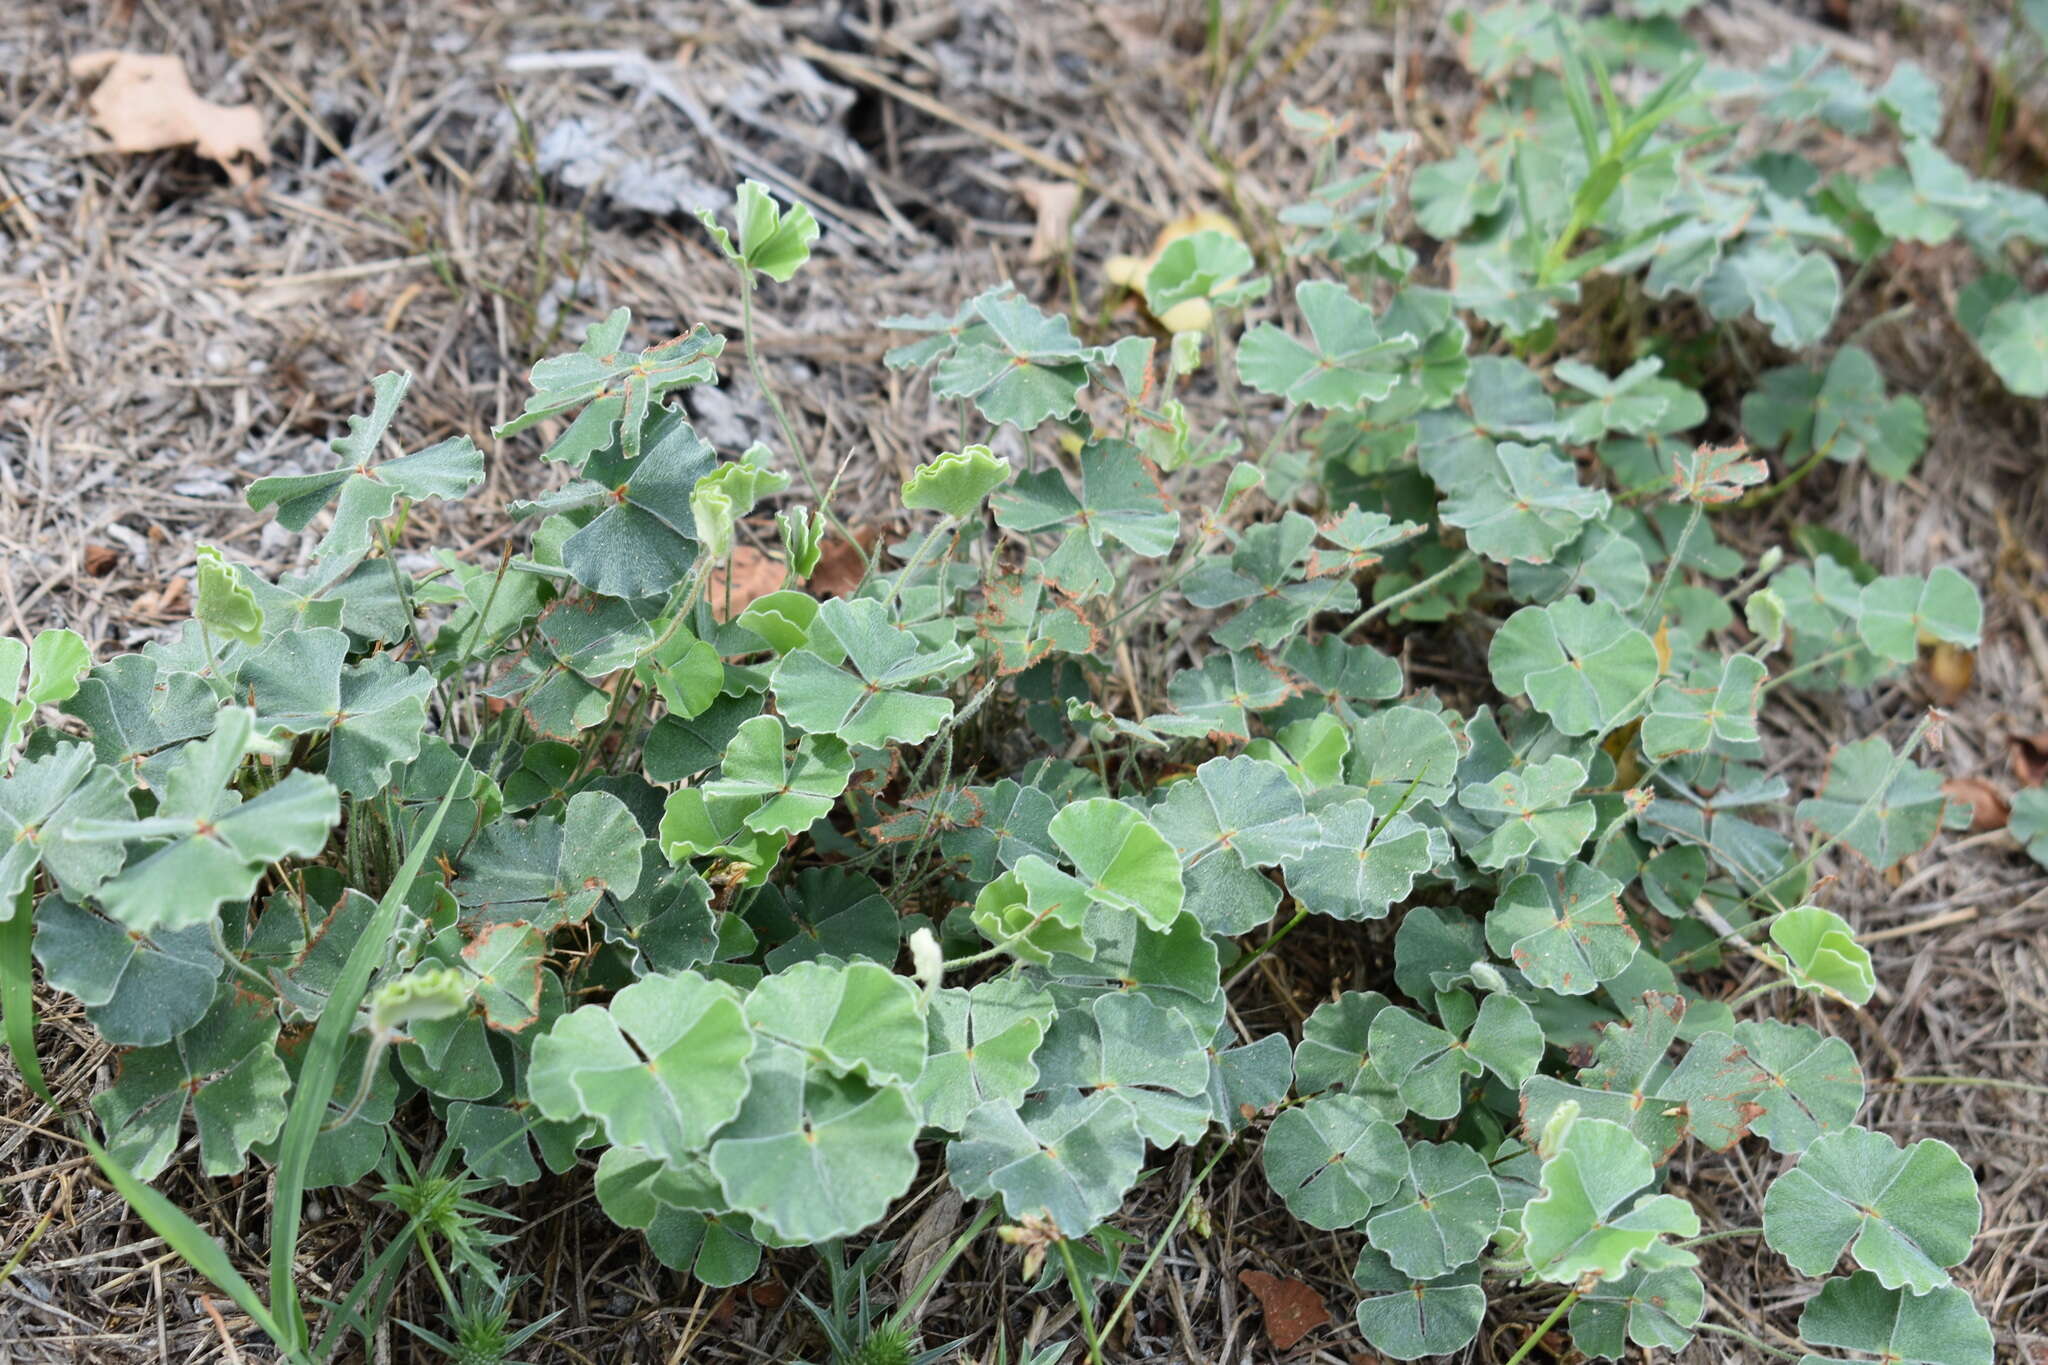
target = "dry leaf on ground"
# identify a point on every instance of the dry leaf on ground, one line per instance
(1292, 1310)
(1055, 202)
(1988, 808)
(841, 565)
(752, 574)
(145, 104)
(2030, 758)
(1949, 673)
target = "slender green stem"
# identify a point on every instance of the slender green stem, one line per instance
(1671, 569)
(797, 453)
(1831, 657)
(1721, 1236)
(1173, 1225)
(1413, 590)
(1083, 1301)
(1745, 1337)
(1282, 932)
(1563, 1306)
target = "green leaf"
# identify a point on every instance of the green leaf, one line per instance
(1247, 807)
(638, 535)
(1200, 265)
(1794, 293)
(980, 1049)
(955, 482)
(2029, 822)
(218, 845)
(1715, 710)
(549, 872)
(363, 489)
(1883, 814)
(789, 791)
(1538, 817)
(1891, 1326)
(614, 388)
(871, 705)
(506, 962)
(772, 240)
(1443, 1215)
(1407, 1318)
(1924, 200)
(1580, 663)
(1906, 1215)
(1066, 1157)
(1717, 474)
(1592, 1217)
(1428, 1065)
(1334, 1160)
(138, 990)
(1334, 1052)
(1804, 1084)
(1913, 99)
(816, 1154)
(1404, 757)
(1852, 417)
(1120, 500)
(40, 802)
(373, 712)
(1144, 1054)
(1898, 613)
(1349, 363)
(1019, 366)
(1566, 935)
(55, 660)
(224, 1072)
(1514, 502)
(1650, 1308)
(1126, 863)
(1358, 868)
(224, 603)
(2014, 340)
(1446, 196)
(1820, 953)
(661, 1067)
(860, 1019)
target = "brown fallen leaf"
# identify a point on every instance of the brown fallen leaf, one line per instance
(1950, 671)
(842, 565)
(1292, 1310)
(1988, 807)
(1055, 202)
(2029, 755)
(145, 104)
(101, 559)
(752, 573)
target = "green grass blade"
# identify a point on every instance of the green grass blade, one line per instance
(323, 1067)
(17, 995)
(192, 1243)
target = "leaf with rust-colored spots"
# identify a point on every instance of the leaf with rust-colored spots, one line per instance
(1988, 806)
(1291, 1308)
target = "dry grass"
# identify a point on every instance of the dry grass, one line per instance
(165, 337)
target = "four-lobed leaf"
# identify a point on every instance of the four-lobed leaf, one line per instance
(1905, 1214)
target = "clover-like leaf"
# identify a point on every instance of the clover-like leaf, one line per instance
(1580, 663)
(1793, 1084)
(873, 704)
(1853, 418)
(1884, 809)
(1514, 502)
(1198, 266)
(40, 802)
(2029, 822)
(139, 990)
(955, 482)
(1567, 935)
(373, 712)
(1654, 1308)
(363, 489)
(1443, 1215)
(551, 871)
(222, 601)
(1216, 700)
(1818, 951)
(1794, 293)
(1899, 613)
(1407, 1318)
(2014, 339)
(1893, 1327)
(1334, 1160)
(217, 845)
(1145, 1054)
(790, 790)
(1404, 757)
(773, 241)
(1249, 808)
(816, 1153)
(661, 1067)
(615, 389)
(1349, 362)
(1712, 475)
(1428, 1065)
(54, 662)
(1714, 709)
(859, 1018)
(224, 1072)
(1539, 819)
(1923, 200)
(1119, 501)
(1067, 1157)
(1018, 365)
(981, 1048)
(1334, 1053)
(1592, 1217)
(1361, 864)
(1905, 1214)
(1448, 195)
